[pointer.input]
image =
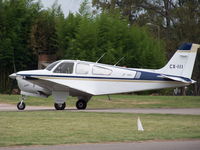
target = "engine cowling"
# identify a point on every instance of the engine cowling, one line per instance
(29, 89)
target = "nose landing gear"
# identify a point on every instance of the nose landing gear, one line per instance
(21, 105)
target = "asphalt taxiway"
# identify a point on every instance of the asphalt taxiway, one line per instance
(180, 111)
(147, 145)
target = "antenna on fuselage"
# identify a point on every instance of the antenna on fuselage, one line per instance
(118, 61)
(100, 58)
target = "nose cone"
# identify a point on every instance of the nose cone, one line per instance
(13, 76)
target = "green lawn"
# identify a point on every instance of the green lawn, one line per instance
(117, 101)
(63, 127)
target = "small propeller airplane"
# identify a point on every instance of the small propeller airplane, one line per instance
(85, 79)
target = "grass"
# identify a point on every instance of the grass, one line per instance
(117, 101)
(63, 127)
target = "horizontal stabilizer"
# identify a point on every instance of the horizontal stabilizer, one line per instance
(178, 79)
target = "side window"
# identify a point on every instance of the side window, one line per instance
(66, 67)
(82, 68)
(138, 74)
(97, 70)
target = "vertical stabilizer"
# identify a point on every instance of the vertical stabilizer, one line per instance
(182, 62)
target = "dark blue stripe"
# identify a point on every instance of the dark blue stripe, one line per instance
(151, 75)
(89, 77)
(64, 76)
(185, 46)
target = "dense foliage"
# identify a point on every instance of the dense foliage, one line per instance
(16, 19)
(89, 38)
(117, 27)
(26, 30)
(173, 21)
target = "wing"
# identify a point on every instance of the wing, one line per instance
(178, 79)
(57, 84)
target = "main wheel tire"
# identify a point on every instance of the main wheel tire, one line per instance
(21, 105)
(81, 104)
(60, 106)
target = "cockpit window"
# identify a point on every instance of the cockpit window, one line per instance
(66, 67)
(50, 66)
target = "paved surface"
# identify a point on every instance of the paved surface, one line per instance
(149, 145)
(10, 107)
(189, 111)
(183, 111)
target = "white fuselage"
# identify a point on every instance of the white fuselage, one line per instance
(93, 79)
(85, 79)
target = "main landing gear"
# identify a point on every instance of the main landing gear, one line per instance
(21, 105)
(60, 106)
(81, 104)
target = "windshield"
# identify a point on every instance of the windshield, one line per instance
(50, 66)
(65, 67)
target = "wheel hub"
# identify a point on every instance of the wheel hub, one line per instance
(80, 104)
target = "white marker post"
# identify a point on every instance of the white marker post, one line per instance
(139, 125)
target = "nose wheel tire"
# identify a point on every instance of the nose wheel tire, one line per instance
(81, 104)
(60, 106)
(21, 105)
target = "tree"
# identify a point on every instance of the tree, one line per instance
(66, 29)
(16, 17)
(128, 8)
(107, 33)
(27, 30)
(85, 9)
(178, 21)
(43, 34)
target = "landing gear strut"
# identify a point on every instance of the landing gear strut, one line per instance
(21, 105)
(81, 104)
(59, 106)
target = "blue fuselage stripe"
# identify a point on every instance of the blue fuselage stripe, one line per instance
(150, 78)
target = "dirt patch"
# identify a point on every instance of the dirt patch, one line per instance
(145, 103)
